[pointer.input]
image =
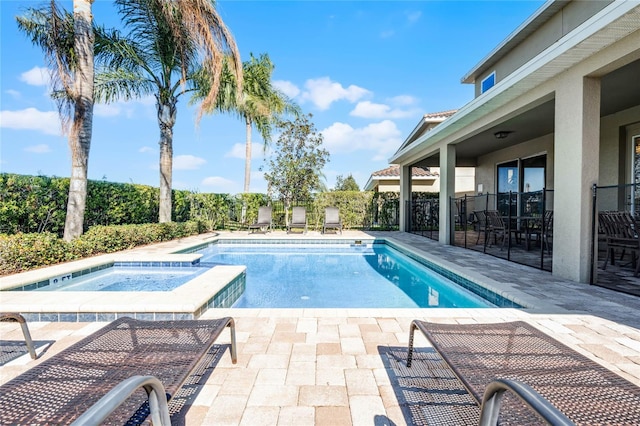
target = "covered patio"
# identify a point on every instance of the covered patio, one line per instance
(552, 120)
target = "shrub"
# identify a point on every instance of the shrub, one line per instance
(21, 252)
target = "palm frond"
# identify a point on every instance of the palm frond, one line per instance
(119, 84)
(51, 28)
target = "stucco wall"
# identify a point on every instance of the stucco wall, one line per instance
(570, 17)
(616, 156)
(486, 170)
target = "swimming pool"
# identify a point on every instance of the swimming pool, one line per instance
(126, 278)
(337, 276)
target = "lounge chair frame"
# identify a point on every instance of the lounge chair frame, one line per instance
(61, 388)
(16, 317)
(581, 389)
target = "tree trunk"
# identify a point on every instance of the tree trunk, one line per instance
(80, 132)
(247, 160)
(166, 121)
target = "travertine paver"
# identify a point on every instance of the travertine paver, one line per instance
(322, 366)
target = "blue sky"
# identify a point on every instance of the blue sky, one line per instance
(366, 70)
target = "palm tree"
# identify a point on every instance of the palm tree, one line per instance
(67, 42)
(260, 105)
(169, 47)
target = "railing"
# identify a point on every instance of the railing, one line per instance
(423, 217)
(624, 199)
(518, 217)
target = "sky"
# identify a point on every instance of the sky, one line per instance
(367, 71)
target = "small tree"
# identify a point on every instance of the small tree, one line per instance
(346, 184)
(295, 168)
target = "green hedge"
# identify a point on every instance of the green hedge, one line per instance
(21, 252)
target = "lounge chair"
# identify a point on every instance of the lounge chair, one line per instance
(332, 219)
(63, 387)
(264, 222)
(16, 317)
(298, 219)
(478, 354)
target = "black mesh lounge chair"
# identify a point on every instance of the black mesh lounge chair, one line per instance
(264, 222)
(63, 387)
(16, 317)
(477, 354)
(298, 219)
(332, 219)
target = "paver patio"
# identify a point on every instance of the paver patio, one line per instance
(323, 366)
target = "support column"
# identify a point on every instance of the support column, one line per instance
(447, 190)
(405, 195)
(576, 169)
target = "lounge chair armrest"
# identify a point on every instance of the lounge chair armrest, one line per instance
(492, 399)
(159, 409)
(11, 316)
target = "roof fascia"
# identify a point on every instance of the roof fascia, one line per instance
(505, 90)
(528, 27)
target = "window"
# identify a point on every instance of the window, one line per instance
(524, 180)
(488, 82)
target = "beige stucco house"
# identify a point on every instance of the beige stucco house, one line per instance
(423, 179)
(561, 94)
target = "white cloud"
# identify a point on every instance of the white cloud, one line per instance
(238, 151)
(218, 182)
(322, 92)
(403, 100)
(106, 110)
(382, 138)
(146, 149)
(287, 87)
(187, 162)
(46, 122)
(38, 149)
(36, 76)
(367, 109)
(13, 93)
(414, 17)
(387, 34)
(125, 108)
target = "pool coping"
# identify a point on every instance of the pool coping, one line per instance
(217, 288)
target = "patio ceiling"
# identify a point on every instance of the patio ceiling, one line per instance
(620, 90)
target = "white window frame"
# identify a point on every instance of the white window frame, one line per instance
(492, 75)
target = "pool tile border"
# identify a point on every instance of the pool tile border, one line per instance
(120, 264)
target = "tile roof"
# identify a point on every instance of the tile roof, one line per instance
(440, 115)
(394, 171)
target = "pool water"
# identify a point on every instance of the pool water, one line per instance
(337, 276)
(128, 279)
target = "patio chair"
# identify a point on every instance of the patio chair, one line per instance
(332, 219)
(264, 222)
(578, 389)
(298, 219)
(70, 383)
(16, 317)
(621, 232)
(496, 227)
(481, 224)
